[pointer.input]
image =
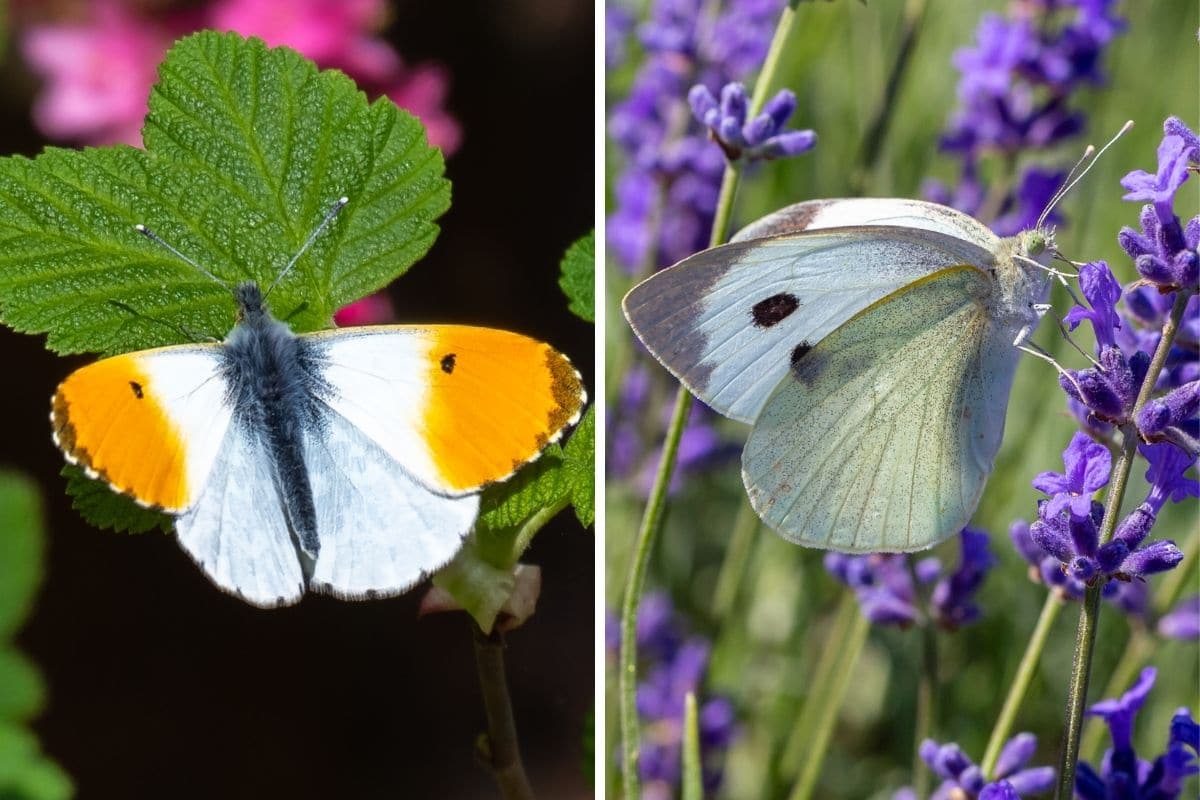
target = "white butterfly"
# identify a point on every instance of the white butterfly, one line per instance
(871, 344)
(346, 461)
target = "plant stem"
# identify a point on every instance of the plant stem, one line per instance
(729, 185)
(652, 517)
(851, 648)
(648, 533)
(1085, 639)
(651, 522)
(733, 566)
(927, 685)
(1085, 631)
(1137, 651)
(914, 15)
(831, 647)
(766, 75)
(1141, 644)
(498, 748)
(692, 779)
(1020, 684)
(1089, 612)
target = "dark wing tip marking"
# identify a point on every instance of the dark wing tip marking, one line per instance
(774, 309)
(566, 387)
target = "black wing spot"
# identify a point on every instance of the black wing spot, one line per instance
(448, 363)
(137, 389)
(800, 352)
(774, 309)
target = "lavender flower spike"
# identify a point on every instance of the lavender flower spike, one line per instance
(1179, 145)
(1183, 622)
(1165, 251)
(882, 584)
(962, 778)
(1087, 466)
(1122, 773)
(1102, 292)
(1171, 411)
(761, 138)
(952, 601)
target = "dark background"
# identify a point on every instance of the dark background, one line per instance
(162, 686)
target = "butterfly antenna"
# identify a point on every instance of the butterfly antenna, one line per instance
(154, 237)
(1069, 184)
(1031, 347)
(1061, 190)
(312, 237)
(1066, 334)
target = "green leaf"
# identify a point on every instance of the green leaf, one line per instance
(579, 467)
(106, 509)
(26, 774)
(22, 690)
(20, 550)
(578, 277)
(506, 506)
(247, 148)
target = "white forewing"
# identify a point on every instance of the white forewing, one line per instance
(716, 320)
(188, 384)
(378, 382)
(881, 437)
(896, 212)
(237, 531)
(381, 530)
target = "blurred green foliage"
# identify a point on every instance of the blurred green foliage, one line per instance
(25, 773)
(767, 643)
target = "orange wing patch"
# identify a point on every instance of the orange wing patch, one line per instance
(495, 400)
(107, 419)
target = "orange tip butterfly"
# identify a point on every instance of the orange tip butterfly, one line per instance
(346, 462)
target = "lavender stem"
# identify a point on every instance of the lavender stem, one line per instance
(1021, 681)
(1089, 612)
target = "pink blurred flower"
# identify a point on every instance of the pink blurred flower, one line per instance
(97, 75)
(421, 92)
(374, 309)
(323, 30)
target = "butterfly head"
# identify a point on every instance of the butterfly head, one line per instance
(1023, 274)
(251, 306)
(1038, 244)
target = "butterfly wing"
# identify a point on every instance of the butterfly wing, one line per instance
(381, 529)
(880, 438)
(157, 425)
(150, 423)
(237, 531)
(420, 419)
(895, 212)
(728, 321)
